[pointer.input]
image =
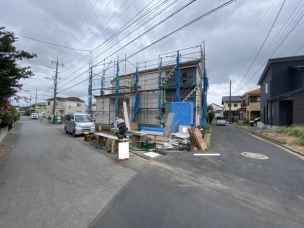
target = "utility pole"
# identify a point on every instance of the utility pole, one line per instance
(36, 102)
(90, 88)
(229, 117)
(55, 84)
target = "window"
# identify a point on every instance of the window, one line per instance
(79, 105)
(68, 118)
(228, 105)
(258, 99)
(49, 103)
(235, 105)
(266, 88)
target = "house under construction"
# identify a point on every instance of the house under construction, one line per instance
(150, 90)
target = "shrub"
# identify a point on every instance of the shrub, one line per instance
(245, 121)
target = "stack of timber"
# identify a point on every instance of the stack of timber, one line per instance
(197, 138)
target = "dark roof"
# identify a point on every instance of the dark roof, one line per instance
(278, 60)
(233, 99)
(76, 99)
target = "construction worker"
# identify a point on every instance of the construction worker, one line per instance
(121, 125)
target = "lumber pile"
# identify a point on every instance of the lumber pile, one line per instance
(196, 138)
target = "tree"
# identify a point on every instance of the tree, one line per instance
(10, 71)
(211, 114)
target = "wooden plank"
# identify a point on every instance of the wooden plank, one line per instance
(134, 126)
(109, 137)
(159, 138)
(127, 121)
(192, 138)
(199, 138)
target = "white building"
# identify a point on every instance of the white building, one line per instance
(217, 109)
(64, 105)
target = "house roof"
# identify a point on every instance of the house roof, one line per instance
(233, 99)
(168, 67)
(218, 106)
(254, 92)
(278, 60)
(76, 99)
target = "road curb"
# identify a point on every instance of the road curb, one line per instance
(274, 141)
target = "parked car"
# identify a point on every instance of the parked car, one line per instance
(78, 123)
(34, 116)
(220, 120)
(254, 123)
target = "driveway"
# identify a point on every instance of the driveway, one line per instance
(183, 190)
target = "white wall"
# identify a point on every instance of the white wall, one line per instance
(102, 113)
(3, 133)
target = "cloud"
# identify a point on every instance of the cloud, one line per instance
(56, 22)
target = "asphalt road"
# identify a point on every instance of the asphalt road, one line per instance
(183, 190)
(52, 180)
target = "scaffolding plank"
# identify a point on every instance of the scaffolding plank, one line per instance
(127, 121)
(169, 124)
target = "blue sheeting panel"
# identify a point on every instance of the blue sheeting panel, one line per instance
(157, 129)
(184, 114)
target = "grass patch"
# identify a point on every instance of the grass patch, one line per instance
(300, 141)
(292, 131)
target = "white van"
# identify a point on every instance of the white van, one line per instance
(78, 123)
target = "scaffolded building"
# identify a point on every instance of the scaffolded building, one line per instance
(150, 90)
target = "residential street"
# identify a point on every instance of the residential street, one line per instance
(181, 190)
(51, 179)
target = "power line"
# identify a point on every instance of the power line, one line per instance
(244, 38)
(164, 37)
(45, 42)
(79, 25)
(270, 30)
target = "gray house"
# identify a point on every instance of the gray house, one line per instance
(282, 91)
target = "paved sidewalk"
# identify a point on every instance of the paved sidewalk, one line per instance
(8, 143)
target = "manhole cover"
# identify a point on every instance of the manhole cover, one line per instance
(254, 155)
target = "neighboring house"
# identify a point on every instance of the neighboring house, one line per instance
(217, 109)
(236, 103)
(251, 105)
(39, 108)
(282, 91)
(65, 105)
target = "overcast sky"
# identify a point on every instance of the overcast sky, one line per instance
(69, 23)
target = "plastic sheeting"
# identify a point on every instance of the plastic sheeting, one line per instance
(117, 90)
(137, 101)
(177, 79)
(184, 114)
(204, 121)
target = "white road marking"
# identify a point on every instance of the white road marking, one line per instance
(206, 154)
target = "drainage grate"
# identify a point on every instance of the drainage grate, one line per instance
(254, 155)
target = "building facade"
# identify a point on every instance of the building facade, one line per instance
(236, 103)
(251, 105)
(64, 105)
(282, 91)
(157, 90)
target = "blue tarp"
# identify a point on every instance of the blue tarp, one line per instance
(116, 90)
(136, 106)
(177, 79)
(157, 129)
(184, 114)
(204, 121)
